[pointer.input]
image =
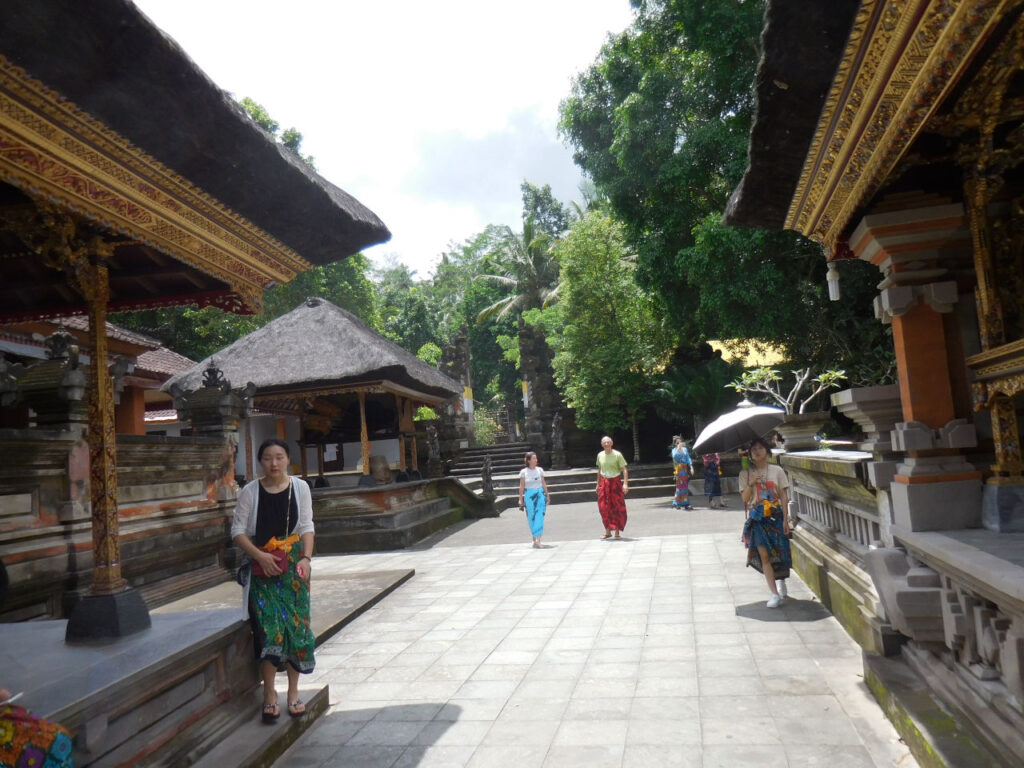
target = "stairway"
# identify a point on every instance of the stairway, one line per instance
(506, 458)
(569, 486)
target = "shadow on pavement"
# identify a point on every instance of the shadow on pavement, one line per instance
(791, 610)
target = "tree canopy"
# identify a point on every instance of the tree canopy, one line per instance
(660, 122)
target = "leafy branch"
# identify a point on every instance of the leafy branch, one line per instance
(768, 381)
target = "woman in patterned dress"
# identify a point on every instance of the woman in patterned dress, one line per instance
(682, 468)
(713, 480)
(274, 514)
(765, 491)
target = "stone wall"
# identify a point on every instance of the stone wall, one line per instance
(174, 507)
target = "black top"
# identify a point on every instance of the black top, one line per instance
(270, 514)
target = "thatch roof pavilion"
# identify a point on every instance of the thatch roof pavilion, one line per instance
(324, 365)
(129, 180)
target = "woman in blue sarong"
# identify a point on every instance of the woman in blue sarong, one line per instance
(765, 491)
(533, 496)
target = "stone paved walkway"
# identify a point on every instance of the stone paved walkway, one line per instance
(657, 650)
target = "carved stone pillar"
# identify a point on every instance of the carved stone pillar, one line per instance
(934, 487)
(109, 609)
(364, 437)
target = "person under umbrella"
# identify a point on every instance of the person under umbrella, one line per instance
(765, 491)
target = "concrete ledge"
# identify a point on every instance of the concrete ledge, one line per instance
(937, 738)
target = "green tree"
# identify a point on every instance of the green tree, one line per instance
(661, 122)
(290, 138)
(526, 270)
(547, 213)
(612, 343)
(406, 316)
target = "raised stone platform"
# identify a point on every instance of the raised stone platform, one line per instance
(172, 694)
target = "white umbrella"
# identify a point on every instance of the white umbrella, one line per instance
(736, 428)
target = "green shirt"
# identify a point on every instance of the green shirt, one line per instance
(610, 464)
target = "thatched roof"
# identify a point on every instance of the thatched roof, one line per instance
(111, 61)
(315, 346)
(802, 43)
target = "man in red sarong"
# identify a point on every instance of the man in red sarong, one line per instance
(612, 487)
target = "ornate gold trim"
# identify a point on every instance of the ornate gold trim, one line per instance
(53, 151)
(901, 60)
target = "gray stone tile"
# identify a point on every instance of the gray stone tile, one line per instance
(667, 686)
(367, 756)
(796, 684)
(386, 733)
(508, 756)
(664, 733)
(311, 756)
(496, 671)
(471, 709)
(536, 733)
(486, 689)
(742, 755)
(734, 731)
(525, 709)
(666, 708)
(655, 756)
(459, 733)
(542, 689)
(596, 756)
(435, 757)
(598, 709)
(591, 688)
(818, 756)
(587, 733)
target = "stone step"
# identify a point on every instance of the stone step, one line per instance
(234, 734)
(405, 529)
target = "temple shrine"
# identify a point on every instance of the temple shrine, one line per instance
(893, 133)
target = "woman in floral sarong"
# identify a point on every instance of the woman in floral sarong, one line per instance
(27, 740)
(765, 491)
(713, 480)
(612, 487)
(682, 466)
(275, 514)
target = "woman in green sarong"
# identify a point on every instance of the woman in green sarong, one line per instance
(274, 514)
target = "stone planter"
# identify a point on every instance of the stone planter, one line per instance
(875, 410)
(799, 429)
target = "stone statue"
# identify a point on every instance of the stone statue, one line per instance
(486, 478)
(558, 459)
(433, 445)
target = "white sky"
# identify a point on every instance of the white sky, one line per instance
(430, 113)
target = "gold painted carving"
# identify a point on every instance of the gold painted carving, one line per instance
(902, 58)
(53, 151)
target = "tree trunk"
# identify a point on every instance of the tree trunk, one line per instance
(636, 438)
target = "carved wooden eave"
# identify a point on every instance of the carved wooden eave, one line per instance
(901, 61)
(59, 156)
(310, 400)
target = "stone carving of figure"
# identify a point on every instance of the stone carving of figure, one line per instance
(557, 436)
(433, 446)
(486, 479)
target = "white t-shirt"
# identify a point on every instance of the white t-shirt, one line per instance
(532, 477)
(775, 476)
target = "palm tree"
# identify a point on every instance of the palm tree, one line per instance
(526, 268)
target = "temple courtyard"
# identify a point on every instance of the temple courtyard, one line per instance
(656, 650)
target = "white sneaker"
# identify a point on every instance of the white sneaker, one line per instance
(774, 601)
(780, 584)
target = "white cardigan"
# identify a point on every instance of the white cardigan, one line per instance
(247, 505)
